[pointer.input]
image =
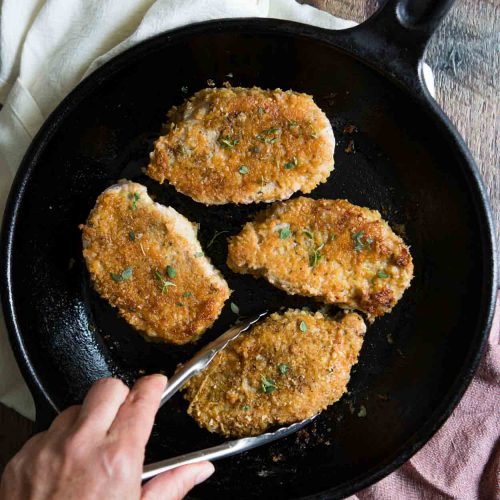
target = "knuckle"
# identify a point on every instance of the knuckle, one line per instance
(141, 404)
(43, 458)
(180, 488)
(139, 399)
(33, 442)
(187, 484)
(31, 447)
(118, 463)
(74, 446)
(67, 414)
(13, 466)
(12, 473)
(70, 410)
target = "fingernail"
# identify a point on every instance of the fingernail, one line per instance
(161, 377)
(205, 473)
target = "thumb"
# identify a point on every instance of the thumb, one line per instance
(176, 483)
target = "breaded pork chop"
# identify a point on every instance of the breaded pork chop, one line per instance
(285, 369)
(332, 250)
(145, 259)
(240, 145)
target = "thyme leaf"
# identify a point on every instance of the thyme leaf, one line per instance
(125, 275)
(268, 385)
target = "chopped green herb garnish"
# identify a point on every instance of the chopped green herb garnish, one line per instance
(234, 308)
(333, 237)
(131, 236)
(292, 124)
(171, 272)
(164, 284)
(313, 259)
(270, 130)
(316, 256)
(228, 142)
(135, 198)
(292, 163)
(283, 368)
(187, 294)
(362, 411)
(359, 244)
(303, 326)
(214, 237)
(264, 135)
(284, 232)
(199, 254)
(382, 274)
(267, 385)
(246, 407)
(243, 170)
(308, 234)
(125, 275)
(261, 111)
(180, 304)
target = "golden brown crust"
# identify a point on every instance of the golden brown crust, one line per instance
(309, 371)
(128, 233)
(335, 251)
(244, 145)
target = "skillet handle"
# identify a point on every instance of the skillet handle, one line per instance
(408, 23)
(396, 36)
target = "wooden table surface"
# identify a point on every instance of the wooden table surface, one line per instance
(465, 57)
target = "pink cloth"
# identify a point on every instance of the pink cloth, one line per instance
(463, 459)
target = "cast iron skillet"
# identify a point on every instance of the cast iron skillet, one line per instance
(408, 162)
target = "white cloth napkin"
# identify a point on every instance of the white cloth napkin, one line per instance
(48, 46)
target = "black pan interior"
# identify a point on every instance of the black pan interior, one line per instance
(402, 164)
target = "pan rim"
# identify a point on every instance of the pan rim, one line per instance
(477, 192)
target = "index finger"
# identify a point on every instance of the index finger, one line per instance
(101, 405)
(135, 417)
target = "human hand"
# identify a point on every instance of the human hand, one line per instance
(96, 451)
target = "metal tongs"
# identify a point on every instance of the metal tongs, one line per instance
(198, 363)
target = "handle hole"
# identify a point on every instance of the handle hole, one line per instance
(421, 13)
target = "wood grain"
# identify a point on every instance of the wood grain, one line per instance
(465, 56)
